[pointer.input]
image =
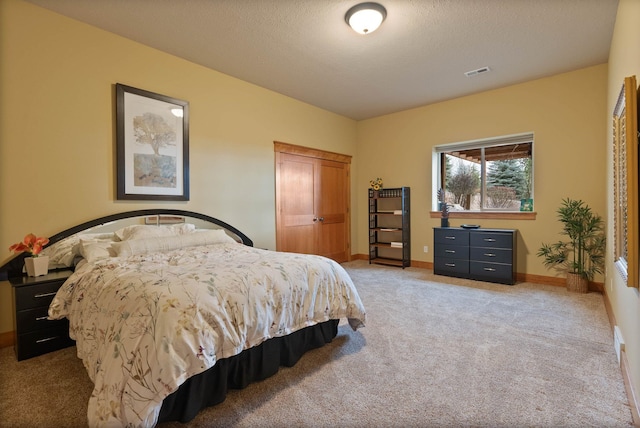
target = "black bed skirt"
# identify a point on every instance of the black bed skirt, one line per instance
(254, 364)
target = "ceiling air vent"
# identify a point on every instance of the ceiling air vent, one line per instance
(477, 71)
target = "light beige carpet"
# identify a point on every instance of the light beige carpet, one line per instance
(436, 352)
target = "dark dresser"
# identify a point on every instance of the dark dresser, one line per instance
(34, 333)
(482, 254)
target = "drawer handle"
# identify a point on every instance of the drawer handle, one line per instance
(489, 254)
(450, 264)
(38, 296)
(47, 339)
(489, 240)
(41, 318)
(489, 269)
(449, 237)
(450, 251)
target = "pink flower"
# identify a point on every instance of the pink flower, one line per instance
(31, 244)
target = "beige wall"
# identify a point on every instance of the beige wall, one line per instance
(566, 114)
(624, 61)
(57, 141)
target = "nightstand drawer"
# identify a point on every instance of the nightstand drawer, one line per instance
(37, 295)
(36, 319)
(34, 333)
(42, 341)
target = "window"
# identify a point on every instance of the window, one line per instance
(494, 174)
(625, 183)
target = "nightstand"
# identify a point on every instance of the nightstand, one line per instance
(34, 333)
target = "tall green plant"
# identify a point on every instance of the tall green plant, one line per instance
(584, 253)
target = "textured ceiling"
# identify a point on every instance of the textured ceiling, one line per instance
(304, 48)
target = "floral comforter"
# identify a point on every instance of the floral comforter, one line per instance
(143, 324)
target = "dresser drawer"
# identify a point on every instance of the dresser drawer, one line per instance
(449, 251)
(37, 295)
(42, 341)
(491, 255)
(495, 272)
(448, 266)
(35, 319)
(451, 236)
(491, 239)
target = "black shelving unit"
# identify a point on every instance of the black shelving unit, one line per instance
(390, 227)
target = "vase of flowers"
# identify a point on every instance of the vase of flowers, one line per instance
(376, 184)
(36, 265)
(444, 208)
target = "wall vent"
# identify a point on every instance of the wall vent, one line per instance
(618, 342)
(477, 71)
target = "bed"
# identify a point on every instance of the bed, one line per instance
(169, 309)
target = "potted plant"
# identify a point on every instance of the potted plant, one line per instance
(583, 255)
(36, 266)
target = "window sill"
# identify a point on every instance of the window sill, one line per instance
(502, 215)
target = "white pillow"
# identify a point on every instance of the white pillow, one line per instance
(60, 253)
(141, 231)
(166, 243)
(63, 253)
(93, 250)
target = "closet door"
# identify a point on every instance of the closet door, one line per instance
(333, 210)
(312, 202)
(296, 215)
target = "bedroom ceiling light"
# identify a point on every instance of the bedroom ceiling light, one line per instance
(365, 18)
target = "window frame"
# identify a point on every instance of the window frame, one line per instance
(626, 211)
(438, 175)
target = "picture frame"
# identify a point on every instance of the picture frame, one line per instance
(526, 204)
(164, 219)
(626, 212)
(152, 146)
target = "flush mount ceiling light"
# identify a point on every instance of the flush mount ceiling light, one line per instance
(365, 18)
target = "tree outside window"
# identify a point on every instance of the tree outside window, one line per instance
(488, 175)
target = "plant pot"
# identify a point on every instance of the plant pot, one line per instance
(577, 283)
(444, 222)
(37, 266)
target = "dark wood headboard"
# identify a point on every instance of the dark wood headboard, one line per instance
(14, 266)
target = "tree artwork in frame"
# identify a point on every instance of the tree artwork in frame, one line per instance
(152, 146)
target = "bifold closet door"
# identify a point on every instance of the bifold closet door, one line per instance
(333, 210)
(312, 203)
(297, 204)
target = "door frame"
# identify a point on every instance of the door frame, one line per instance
(280, 147)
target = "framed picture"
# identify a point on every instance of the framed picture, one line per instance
(152, 146)
(626, 213)
(526, 204)
(164, 219)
